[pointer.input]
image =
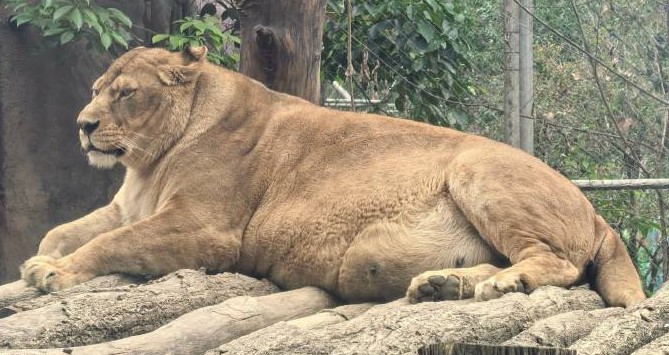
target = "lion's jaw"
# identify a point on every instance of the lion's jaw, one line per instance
(98, 156)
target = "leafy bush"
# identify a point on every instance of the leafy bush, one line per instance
(199, 32)
(414, 49)
(65, 21)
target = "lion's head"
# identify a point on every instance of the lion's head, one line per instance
(140, 106)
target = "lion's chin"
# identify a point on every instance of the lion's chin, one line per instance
(101, 160)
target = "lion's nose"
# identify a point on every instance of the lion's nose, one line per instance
(88, 127)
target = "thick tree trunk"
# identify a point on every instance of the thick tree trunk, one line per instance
(17, 297)
(563, 329)
(623, 334)
(281, 44)
(207, 327)
(107, 314)
(400, 328)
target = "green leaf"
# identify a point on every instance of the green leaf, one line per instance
(76, 18)
(66, 37)
(62, 11)
(120, 40)
(119, 15)
(106, 40)
(21, 19)
(47, 3)
(434, 5)
(96, 26)
(174, 42)
(426, 30)
(103, 15)
(159, 38)
(54, 31)
(201, 26)
(89, 16)
(184, 26)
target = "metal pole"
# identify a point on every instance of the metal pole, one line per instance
(526, 73)
(511, 75)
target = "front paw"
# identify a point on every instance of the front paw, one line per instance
(497, 286)
(48, 274)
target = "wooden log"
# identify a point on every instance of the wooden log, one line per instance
(202, 329)
(564, 329)
(16, 291)
(102, 316)
(641, 324)
(330, 316)
(490, 349)
(655, 347)
(18, 297)
(402, 328)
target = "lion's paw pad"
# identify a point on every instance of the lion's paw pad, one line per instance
(434, 288)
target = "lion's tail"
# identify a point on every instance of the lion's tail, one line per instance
(615, 277)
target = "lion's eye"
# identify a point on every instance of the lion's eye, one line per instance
(125, 93)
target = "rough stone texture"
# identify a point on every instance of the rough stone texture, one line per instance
(123, 311)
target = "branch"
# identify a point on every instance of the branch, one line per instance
(587, 53)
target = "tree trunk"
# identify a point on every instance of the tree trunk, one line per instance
(563, 329)
(17, 296)
(401, 328)
(281, 44)
(207, 327)
(623, 334)
(108, 314)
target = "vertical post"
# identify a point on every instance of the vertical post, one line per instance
(526, 73)
(281, 44)
(511, 75)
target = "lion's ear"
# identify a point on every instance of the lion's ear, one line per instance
(199, 53)
(178, 74)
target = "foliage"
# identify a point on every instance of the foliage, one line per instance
(200, 32)
(415, 52)
(574, 131)
(65, 21)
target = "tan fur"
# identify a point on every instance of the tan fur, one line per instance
(225, 174)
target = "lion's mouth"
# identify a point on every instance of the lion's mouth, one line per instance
(115, 152)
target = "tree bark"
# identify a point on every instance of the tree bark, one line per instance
(330, 316)
(15, 292)
(119, 312)
(17, 296)
(281, 44)
(655, 347)
(623, 334)
(564, 329)
(401, 328)
(207, 327)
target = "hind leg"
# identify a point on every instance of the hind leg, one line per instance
(448, 284)
(527, 275)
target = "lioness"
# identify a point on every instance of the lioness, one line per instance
(225, 174)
